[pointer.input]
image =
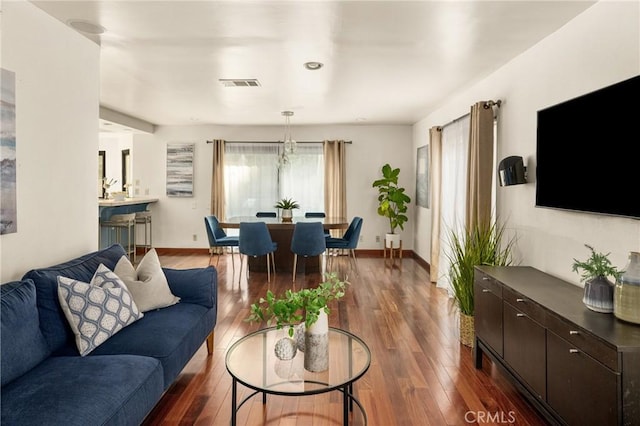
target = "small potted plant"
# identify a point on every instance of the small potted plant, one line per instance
(392, 203)
(287, 205)
(308, 304)
(598, 289)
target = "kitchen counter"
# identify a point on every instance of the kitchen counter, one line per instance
(126, 202)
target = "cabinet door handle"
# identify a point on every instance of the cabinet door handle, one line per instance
(573, 332)
(519, 300)
(520, 315)
(484, 290)
(574, 351)
(485, 278)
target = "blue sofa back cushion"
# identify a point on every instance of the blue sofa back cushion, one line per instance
(202, 288)
(23, 345)
(55, 327)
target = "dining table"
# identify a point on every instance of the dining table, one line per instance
(281, 232)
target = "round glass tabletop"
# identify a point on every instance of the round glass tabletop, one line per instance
(252, 362)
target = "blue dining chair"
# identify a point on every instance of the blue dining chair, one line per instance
(218, 238)
(348, 241)
(308, 240)
(266, 214)
(307, 215)
(255, 240)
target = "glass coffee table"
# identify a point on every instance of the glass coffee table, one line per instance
(251, 361)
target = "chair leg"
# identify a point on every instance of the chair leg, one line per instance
(295, 263)
(268, 269)
(217, 260)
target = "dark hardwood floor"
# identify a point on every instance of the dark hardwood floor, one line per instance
(420, 374)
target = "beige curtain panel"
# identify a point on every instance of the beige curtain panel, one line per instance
(480, 175)
(335, 182)
(217, 179)
(435, 145)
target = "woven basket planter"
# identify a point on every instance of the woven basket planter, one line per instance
(467, 330)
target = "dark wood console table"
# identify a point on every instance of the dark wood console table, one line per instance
(576, 366)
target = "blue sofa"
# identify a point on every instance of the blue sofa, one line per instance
(46, 382)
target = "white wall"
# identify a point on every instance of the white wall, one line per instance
(176, 220)
(57, 96)
(598, 48)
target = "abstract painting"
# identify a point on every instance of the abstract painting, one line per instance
(180, 170)
(422, 177)
(8, 213)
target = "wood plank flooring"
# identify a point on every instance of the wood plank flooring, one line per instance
(420, 374)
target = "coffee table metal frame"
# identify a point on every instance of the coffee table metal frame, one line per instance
(345, 385)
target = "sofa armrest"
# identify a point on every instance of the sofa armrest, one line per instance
(196, 285)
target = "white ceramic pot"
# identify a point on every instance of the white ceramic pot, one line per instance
(287, 215)
(392, 239)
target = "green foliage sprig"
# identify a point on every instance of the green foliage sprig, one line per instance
(293, 306)
(287, 204)
(392, 200)
(597, 265)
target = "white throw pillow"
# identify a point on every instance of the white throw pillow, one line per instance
(147, 283)
(98, 310)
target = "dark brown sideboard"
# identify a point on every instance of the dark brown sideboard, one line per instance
(576, 366)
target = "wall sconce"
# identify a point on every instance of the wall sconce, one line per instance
(512, 171)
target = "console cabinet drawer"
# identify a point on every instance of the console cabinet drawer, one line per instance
(579, 388)
(525, 305)
(584, 341)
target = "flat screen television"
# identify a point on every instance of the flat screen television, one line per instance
(588, 152)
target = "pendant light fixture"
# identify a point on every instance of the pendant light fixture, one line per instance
(288, 144)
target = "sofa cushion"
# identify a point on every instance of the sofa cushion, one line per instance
(54, 325)
(196, 285)
(171, 335)
(80, 391)
(98, 310)
(23, 345)
(147, 283)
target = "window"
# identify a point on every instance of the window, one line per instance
(255, 182)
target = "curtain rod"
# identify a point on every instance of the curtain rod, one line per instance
(487, 105)
(275, 142)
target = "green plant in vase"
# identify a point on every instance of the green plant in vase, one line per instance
(598, 289)
(287, 205)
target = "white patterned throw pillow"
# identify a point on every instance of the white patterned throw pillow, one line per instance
(147, 283)
(98, 310)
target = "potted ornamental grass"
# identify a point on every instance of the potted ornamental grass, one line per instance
(482, 244)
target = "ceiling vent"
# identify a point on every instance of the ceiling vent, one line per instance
(239, 82)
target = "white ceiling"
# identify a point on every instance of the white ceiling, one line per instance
(385, 62)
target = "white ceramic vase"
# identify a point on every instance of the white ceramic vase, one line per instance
(316, 344)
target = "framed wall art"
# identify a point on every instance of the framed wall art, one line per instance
(180, 170)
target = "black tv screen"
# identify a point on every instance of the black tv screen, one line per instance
(588, 152)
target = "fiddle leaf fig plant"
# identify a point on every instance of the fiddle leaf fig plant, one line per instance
(392, 200)
(294, 306)
(597, 265)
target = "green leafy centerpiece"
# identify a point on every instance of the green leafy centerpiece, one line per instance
(304, 312)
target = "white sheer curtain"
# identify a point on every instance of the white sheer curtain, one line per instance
(251, 178)
(455, 153)
(303, 178)
(254, 181)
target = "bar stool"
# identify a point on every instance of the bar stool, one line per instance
(144, 218)
(120, 223)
